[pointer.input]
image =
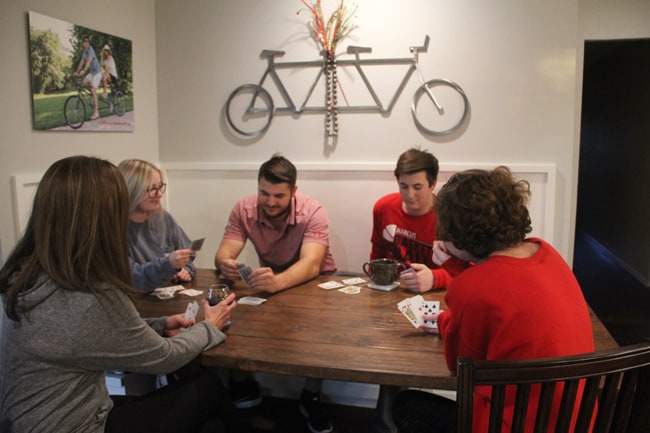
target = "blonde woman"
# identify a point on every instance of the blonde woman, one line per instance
(155, 238)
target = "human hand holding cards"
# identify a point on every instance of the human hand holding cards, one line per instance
(415, 279)
(420, 313)
(244, 272)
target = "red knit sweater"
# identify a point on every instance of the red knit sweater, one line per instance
(508, 308)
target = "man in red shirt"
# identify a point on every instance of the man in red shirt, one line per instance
(404, 223)
(404, 229)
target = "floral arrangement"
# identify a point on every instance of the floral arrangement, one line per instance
(328, 34)
(338, 26)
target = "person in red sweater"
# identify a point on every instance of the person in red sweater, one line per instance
(404, 223)
(404, 229)
(520, 301)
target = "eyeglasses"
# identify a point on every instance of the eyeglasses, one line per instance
(153, 191)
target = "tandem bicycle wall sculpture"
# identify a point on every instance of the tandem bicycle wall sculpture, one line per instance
(439, 106)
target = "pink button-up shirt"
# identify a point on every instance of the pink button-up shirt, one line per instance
(279, 249)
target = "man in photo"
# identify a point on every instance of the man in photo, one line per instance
(89, 65)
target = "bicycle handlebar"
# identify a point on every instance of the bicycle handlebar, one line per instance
(271, 53)
(353, 49)
(423, 48)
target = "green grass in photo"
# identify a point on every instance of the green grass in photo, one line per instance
(48, 108)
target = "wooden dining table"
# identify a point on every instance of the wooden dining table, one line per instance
(308, 331)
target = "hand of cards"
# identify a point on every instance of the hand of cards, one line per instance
(415, 308)
(192, 309)
(244, 272)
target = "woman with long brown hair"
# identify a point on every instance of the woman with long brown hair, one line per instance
(68, 318)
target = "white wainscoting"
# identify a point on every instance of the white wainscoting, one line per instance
(24, 188)
(201, 195)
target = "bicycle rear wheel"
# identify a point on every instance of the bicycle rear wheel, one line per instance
(249, 110)
(454, 107)
(74, 111)
(119, 103)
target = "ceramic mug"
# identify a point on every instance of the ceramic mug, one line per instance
(383, 272)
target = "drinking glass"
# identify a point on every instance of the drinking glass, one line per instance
(217, 293)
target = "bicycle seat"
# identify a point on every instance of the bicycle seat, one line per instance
(352, 49)
(271, 53)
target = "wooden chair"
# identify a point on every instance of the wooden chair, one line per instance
(616, 381)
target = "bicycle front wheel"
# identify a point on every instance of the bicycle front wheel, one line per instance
(119, 103)
(249, 110)
(450, 112)
(74, 111)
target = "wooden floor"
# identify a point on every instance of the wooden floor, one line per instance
(278, 415)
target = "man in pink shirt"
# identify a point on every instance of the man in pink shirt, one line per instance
(290, 233)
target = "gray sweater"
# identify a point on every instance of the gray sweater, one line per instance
(150, 244)
(52, 361)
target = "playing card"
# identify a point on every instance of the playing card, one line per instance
(353, 281)
(191, 292)
(407, 271)
(192, 309)
(197, 244)
(244, 272)
(251, 300)
(330, 285)
(350, 290)
(167, 292)
(411, 308)
(429, 308)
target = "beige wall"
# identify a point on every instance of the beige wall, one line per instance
(523, 82)
(519, 62)
(515, 60)
(24, 151)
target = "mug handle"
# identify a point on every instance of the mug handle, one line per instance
(401, 267)
(365, 268)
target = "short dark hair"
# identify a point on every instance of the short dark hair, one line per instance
(416, 160)
(483, 211)
(278, 169)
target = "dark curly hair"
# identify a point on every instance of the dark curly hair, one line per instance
(483, 211)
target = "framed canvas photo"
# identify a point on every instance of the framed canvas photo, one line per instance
(81, 79)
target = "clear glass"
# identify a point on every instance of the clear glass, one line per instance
(217, 293)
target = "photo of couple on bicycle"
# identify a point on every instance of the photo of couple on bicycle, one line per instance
(81, 79)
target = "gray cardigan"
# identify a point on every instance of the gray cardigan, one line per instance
(52, 361)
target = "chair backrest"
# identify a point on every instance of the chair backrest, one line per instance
(613, 383)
